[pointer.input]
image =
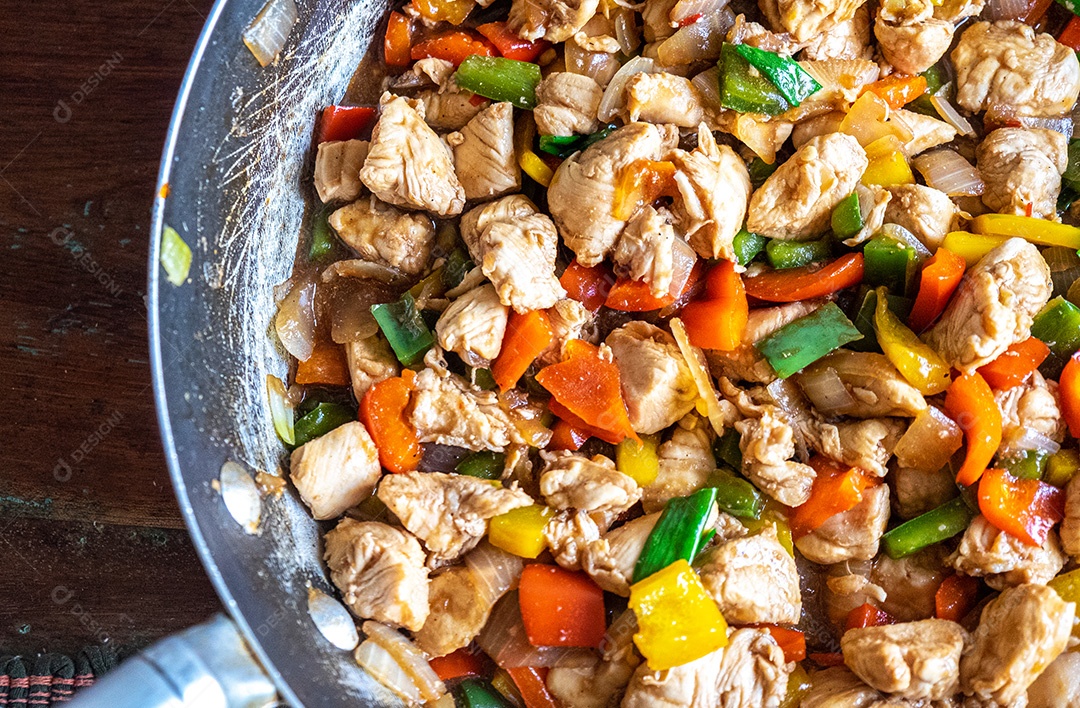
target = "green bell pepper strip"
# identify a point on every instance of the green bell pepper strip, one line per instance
(1058, 325)
(566, 145)
(323, 240)
(404, 328)
(889, 262)
(482, 378)
(785, 74)
(735, 495)
(1071, 176)
(936, 77)
(1025, 464)
(760, 171)
(500, 79)
(746, 246)
(484, 464)
(744, 89)
(847, 218)
(477, 693)
(934, 526)
(864, 317)
(726, 449)
(794, 254)
(807, 339)
(320, 420)
(679, 533)
(456, 266)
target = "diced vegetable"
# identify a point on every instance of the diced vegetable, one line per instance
(719, 321)
(404, 328)
(897, 91)
(794, 254)
(484, 464)
(698, 366)
(888, 163)
(798, 685)
(726, 449)
(735, 495)
(639, 459)
(344, 122)
(636, 295)
(847, 218)
(502, 683)
(452, 11)
(1024, 508)
(529, 162)
(864, 318)
(890, 263)
(457, 664)
(265, 36)
(946, 521)
(794, 84)
(566, 145)
(590, 388)
(325, 367)
(940, 277)
(527, 335)
(949, 172)
(1069, 394)
(929, 441)
(382, 410)
(281, 411)
(678, 621)
(521, 531)
(1070, 36)
(868, 122)
(745, 89)
(791, 641)
(678, 534)
(456, 266)
(565, 436)
(500, 79)
(971, 247)
(320, 420)
(1038, 231)
(808, 282)
(175, 256)
(397, 44)
(510, 45)
(836, 489)
(759, 172)
(775, 515)
(1024, 464)
(807, 339)
(917, 362)
(455, 47)
(956, 597)
(642, 182)
(323, 240)
(1015, 364)
(866, 615)
(477, 693)
(589, 286)
(970, 402)
(1058, 325)
(1067, 585)
(561, 608)
(531, 684)
(747, 245)
(1061, 467)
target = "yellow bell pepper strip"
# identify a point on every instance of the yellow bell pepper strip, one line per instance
(802, 342)
(917, 362)
(970, 402)
(798, 685)
(1062, 467)
(864, 317)
(529, 162)
(1039, 231)
(678, 621)
(452, 11)
(678, 534)
(971, 247)
(521, 531)
(1024, 508)
(888, 164)
(639, 460)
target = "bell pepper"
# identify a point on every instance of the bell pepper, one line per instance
(456, 266)
(531, 682)
(477, 693)
(1070, 36)
(527, 335)
(1015, 364)
(561, 608)
(639, 460)
(510, 45)
(774, 514)
(798, 685)
(956, 597)
(319, 421)
(836, 489)
(971, 247)
(397, 45)
(897, 91)
(521, 531)
(565, 436)
(827, 659)
(323, 240)
(1067, 585)
(452, 11)
(404, 328)
(1058, 325)
(807, 339)
(678, 621)
(500, 79)
(791, 641)
(382, 410)
(864, 317)
(917, 362)
(936, 525)
(325, 367)
(458, 664)
(566, 145)
(1024, 508)
(1062, 467)
(344, 122)
(743, 88)
(529, 162)
(636, 295)
(1039, 231)
(678, 533)
(726, 449)
(455, 47)
(746, 246)
(735, 495)
(484, 464)
(759, 172)
(970, 402)
(866, 615)
(940, 276)
(794, 84)
(889, 262)
(564, 414)
(719, 321)
(642, 182)
(888, 163)
(1069, 394)
(1024, 464)
(507, 689)
(847, 218)
(794, 254)
(588, 285)
(808, 282)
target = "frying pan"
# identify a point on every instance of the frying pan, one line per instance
(230, 184)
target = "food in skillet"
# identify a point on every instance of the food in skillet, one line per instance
(700, 354)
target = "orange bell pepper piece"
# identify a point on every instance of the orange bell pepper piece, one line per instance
(455, 47)
(955, 597)
(635, 295)
(897, 90)
(831, 658)
(382, 411)
(458, 664)
(452, 11)
(1070, 36)
(642, 182)
(561, 608)
(792, 641)
(940, 277)
(836, 489)
(565, 436)
(719, 321)
(589, 286)
(970, 402)
(590, 388)
(526, 337)
(815, 280)
(510, 45)
(866, 615)
(1024, 508)
(326, 366)
(1015, 363)
(1069, 392)
(531, 682)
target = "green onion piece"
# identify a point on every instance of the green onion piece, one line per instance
(746, 246)
(786, 74)
(934, 526)
(281, 411)
(1058, 325)
(735, 495)
(456, 266)
(175, 256)
(500, 79)
(889, 262)
(1025, 464)
(760, 171)
(484, 464)
(847, 219)
(794, 254)
(807, 339)
(679, 532)
(1062, 467)
(744, 89)
(404, 328)
(864, 317)
(726, 449)
(323, 239)
(321, 420)
(566, 145)
(477, 693)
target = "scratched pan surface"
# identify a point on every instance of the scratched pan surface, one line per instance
(238, 144)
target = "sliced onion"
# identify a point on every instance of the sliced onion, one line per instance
(949, 172)
(901, 234)
(845, 77)
(495, 572)
(1007, 10)
(359, 268)
(295, 321)
(627, 33)
(826, 391)
(695, 360)
(708, 85)
(950, 115)
(686, 10)
(929, 442)
(503, 639)
(789, 398)
(441, 458)
(266, 34)
(384, 668)
(700, 41)
(1064, 266)
(1023, 439)
(281, 411)
(612, 100)
(601, 67)
(412, 661)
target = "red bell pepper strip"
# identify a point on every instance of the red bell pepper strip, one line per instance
(1015, 363)
(719, 321)
(526, 337)
(458, 664)
(326, 366)
(970, 402)
(816, 280)
(836, 489)
(561, 608)
(897, 90)
(344, 122)
(382, 411)
(832, 658)
(866, 615)
(792, 641)
(565, 436)
(1069, 393)
(940, 276)
(510, 45)
(580, 426)
(635, 295)
(589, 286)
(455, 47)
(1024, 508)
(531, 682)
(590, 388)
(1070, 36)
(956, 597)
(397, 45)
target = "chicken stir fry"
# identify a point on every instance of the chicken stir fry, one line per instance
(699, 354)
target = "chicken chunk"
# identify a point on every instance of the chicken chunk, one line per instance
(599, 684)
(380, 572)
(553, 20)
(644, 250)
(1070, 525)
(474, 324)
(745, 363)
(918, 491)
(1022, 169)
(384, 234)
(568, 535)
(876, 388)
(448, 411)
(860, 443)
(714, 188)
(1004, 560)
(571, 481)
(449, 513)
(566, 104)
(910, 37)
(336, 471)
(915, 660)
(663, 98)
(370, 361)
(457, 616)
(451, 109)
(484, 157)
(686, 460)
(993, 307)
(851, 535)
(581, 196)
(569, 320)
(656, 382)
(839, 688)
(1032, 405)
(849, 39)
(927, 213)
(408, 165)
(753, 579)
(610, 560)
(1008, 64)
(1020, 633)
(910, 583)
(797, 200)
(1059, 685)
(805, 20)
(337, 169)
(767, 443)
(515, 246)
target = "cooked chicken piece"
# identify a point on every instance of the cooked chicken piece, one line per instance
(1003, 560)
(918, 491)
(843, 593)
(566, 104)
(757, 35)
(753, 579)
(1059, 685)
(569, 320)
(337, 169)
(568, 534)
(581, 196)
(474, 324)
(714, 188)
(1007, 64)
(797, 200)
(748, 672)
(571, 481)
(875, 386)
(553, 20)
(370, 361)
(926, 212)
(839, 688)
(656, 18)
(926, 132)
(449, 411)
(449, 513)
(663, 98)
(644, 250)
(384, 234)
(957, 10)
(805, 20)
(910, 583)
(767, 443)
(910, 37)
(821, 124)
(745, 363)
(1070, 525)
(1033, 405)
(610, 560)
(686, 460)
(408, 165)
(849, 39)
(851, 535)
(380, 572)
(336, 471)
(451, 109)
(599, 684)
(1022, 169)
(656, 382)
(860, 443)
(484, 154)
(438, 71)
(1020, 633)
(457, 615)
(993, 307)
(915, 660)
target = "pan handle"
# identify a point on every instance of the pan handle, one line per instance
(208, 666)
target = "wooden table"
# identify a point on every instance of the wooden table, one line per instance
(92, 546)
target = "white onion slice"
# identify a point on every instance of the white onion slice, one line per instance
(708, 85)
(295, 321)
(1007, 10)
(1064, 266)
(1023, 439)
(601, 67)
(947, 171)
(929, 442)
(695, 360)
(791, 401)
(901, 234)
(612, 100)
(333, 620)
(627, 33)
(494, 571)
(687, 9)
(266, 34)
(412, 661)
(826, 391)
(281, 410)
(951, 116)
(385, 669)
(700, 41)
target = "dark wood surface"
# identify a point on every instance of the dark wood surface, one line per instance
(92, 546)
